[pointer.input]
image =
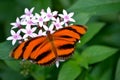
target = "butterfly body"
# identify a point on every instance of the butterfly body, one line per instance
(45, 50)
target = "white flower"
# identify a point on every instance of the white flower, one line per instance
(16, 24)
(14, 37)
(67, 17)
(29, 32)
(50, 28)
(28, 13)
(58, 24)
(57, 62)
(40, 19)
(50, 15)
(28, 21)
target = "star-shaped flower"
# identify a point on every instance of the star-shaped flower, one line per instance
(50, 28)
(29, 21)
(29, 32)
(50, 15)
(16, 24)
(58, 24)
(67, 17)
(28, 13)
(40, 19)
(15, 36)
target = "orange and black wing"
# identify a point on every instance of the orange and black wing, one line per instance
(25, 49)
(65, 39)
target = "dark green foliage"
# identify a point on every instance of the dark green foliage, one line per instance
(97, 57)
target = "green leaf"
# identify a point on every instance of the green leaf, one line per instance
(13, 64)
(96, 7)
(7, 73)
(105, 69)
(5, 48)
(69, 71)
(94, 54)
(81, 18)
(93, 29)
(117, 75)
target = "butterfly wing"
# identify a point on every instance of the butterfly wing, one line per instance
(37, 49)
(65, 39)
(24, 49)
(43, 55)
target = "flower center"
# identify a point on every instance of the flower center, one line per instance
(29, 31)
(30, 22)
(28, 14)
(40, 19)
(49, 15)
(57, 25)
(17, 24)
(66, 17)
(15, 36)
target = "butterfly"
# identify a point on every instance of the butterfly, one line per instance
(45, 50)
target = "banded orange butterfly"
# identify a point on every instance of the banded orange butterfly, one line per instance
(45, 50)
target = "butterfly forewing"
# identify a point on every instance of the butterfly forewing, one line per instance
(71, 33)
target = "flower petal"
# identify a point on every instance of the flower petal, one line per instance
(26, 10)
(10, 38)
(55, 13)
(33, 29)
(17, 20)
(61, 15)
(72, 20)
(24, 30)
(37, 15)
(51, 27)
(34, 35)
(28, 27)
(57, 64)
(31, 10)
(13, 24)
(18, 32)
(45, 27)
(13, 42)
(25, 36)
(13, 32)
(71, 14)
(48, 10)
(65, 12)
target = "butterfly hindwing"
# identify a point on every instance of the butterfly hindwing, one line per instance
(65, 39)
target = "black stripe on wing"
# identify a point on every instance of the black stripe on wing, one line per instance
(66, 56)
(49, 62)
(66, 46)
(43, 55)
(27, 44)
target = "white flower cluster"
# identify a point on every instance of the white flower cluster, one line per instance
(32, 25)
